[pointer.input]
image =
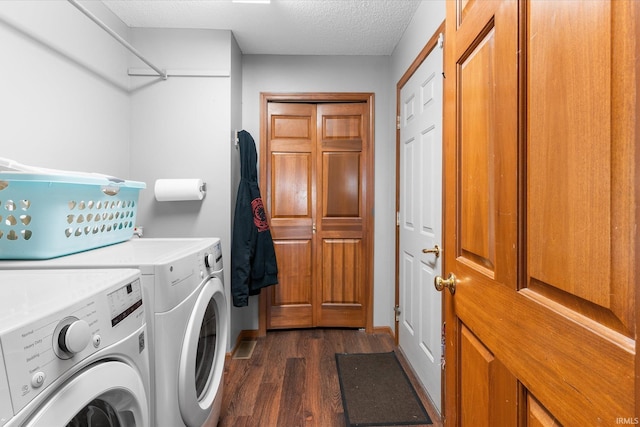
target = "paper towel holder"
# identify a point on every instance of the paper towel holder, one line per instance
(187, 189)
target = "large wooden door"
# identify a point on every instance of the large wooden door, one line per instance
(541, 140)
(318, 169)
(420, 222)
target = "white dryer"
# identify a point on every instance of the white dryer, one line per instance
(188, 319)
(74, 348)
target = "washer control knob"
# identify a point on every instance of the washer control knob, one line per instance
(209, 260)
(74, 337)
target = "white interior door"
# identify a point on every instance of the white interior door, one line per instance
(421, 222)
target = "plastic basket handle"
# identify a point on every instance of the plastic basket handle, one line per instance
(110, 190)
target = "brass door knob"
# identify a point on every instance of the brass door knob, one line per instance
(435, 250)
(449, 282)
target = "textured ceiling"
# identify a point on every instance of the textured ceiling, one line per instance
(288, 27)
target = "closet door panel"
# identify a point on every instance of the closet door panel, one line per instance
(290, 202)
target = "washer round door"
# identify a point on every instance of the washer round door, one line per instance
(203, 353)
(109, 394)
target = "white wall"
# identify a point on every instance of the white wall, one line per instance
(271, 73)
(182, 128)
(239, 322)
(427, 18)
(64, 88)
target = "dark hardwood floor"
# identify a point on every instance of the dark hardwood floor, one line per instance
(291, 379)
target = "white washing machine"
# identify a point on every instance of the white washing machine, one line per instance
(188, 319)
(73, 347)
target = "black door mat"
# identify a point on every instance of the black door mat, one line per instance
(377, 392)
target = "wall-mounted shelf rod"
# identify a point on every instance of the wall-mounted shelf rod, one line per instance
(116, 36)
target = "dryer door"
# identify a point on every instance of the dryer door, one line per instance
(109, 394)
(202, 356)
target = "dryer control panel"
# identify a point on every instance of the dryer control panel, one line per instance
(59, 319)
(177, 279)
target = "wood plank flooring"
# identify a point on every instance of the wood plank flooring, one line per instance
(291, 379)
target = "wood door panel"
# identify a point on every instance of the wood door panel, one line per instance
(570, 222)
(342, 227)
(475, 20)
(296, 282)
(340, 125)
(464, 7)
(341, 186)
(291, 316)
(342, 145)
(341, 277)
(489, 392)
(291, 228)
(290, 126)
(290, 303)
(476, 171)
(538, 416)
(291, 145)
(549, 352)
(291, 185)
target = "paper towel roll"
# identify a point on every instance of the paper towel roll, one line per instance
(179, 189)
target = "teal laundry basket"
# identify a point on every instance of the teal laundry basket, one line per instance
(49, 215)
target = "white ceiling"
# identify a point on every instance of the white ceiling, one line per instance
(286, 27)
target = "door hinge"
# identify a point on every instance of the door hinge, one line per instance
(398, 219)
(443, 342)
(441, 40)
(396, 310)
(398, 122)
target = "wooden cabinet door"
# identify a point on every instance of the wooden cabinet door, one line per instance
(540, 212)
(317, 192)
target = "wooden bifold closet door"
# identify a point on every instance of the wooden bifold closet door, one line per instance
(316, 166)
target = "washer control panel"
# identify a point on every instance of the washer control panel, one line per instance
(82, 318)
(213, 257)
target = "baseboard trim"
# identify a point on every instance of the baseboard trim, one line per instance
(384, 330)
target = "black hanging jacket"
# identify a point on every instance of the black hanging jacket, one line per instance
(253, 257)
